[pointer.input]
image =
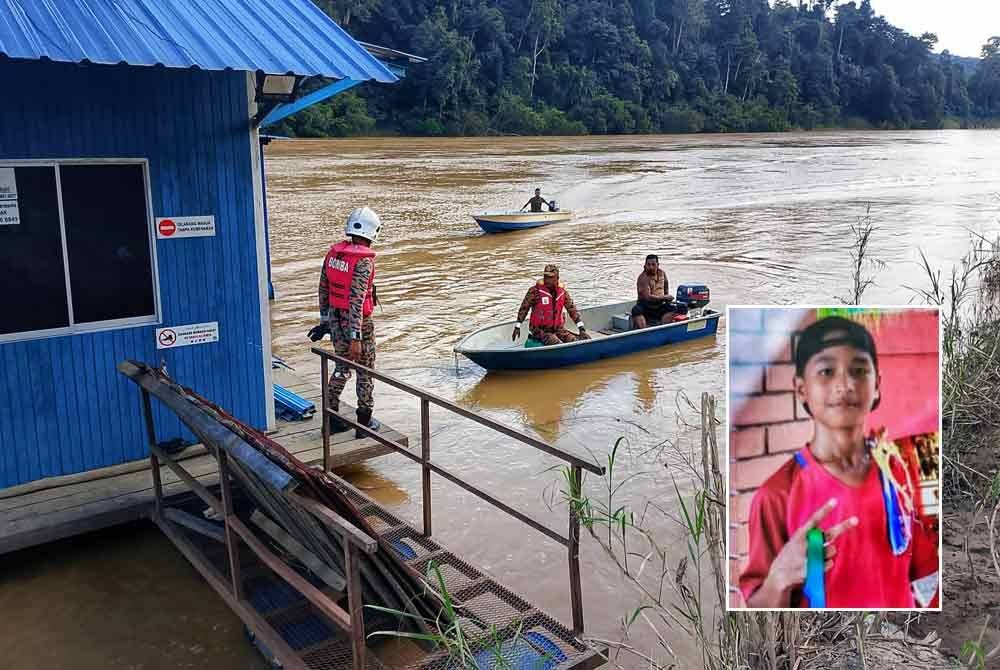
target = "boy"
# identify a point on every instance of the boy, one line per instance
(877, 554)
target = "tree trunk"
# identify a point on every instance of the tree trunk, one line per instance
(524, 30)
(534, 64)
(729, 60)
(680, 34)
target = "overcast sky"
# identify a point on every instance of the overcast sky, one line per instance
(962, 26)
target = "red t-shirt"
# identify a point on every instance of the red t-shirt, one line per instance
(865, 572)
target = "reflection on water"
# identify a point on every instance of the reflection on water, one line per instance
(758, 218)
(549, 401)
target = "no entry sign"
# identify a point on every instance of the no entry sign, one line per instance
(166, 227)
(171, 227)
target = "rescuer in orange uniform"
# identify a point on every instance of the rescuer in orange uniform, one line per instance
(548, 301)
(346, 302)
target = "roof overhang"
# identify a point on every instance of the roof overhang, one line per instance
(275, 37)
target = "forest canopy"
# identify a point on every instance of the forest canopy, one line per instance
(565, 67)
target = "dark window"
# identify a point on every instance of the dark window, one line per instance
(107, 270)
(107, 239)
(32, 273)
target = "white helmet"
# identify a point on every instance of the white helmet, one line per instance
(365, 223)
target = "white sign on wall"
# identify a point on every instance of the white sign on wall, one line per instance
(183, 336)
(169, 227)
(10, 214)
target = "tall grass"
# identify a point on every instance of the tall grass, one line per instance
(864, 266)
(970, 314)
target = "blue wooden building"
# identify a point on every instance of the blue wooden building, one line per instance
(132, 210)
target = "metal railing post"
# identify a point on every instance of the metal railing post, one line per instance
(324, 369)
(352, 570)
(576, 464)
(154, 462)
(575, 592)
(232, 539)
(425, 457)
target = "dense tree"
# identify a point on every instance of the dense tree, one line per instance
(984, 86)
(635, 66)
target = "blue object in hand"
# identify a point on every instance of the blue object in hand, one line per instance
(815, 586)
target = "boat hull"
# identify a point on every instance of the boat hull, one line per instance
(514, 356)
(501, 222)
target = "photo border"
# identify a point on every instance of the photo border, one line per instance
(941, 502)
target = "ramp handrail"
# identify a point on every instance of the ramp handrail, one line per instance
(577, 465)
(235, 534)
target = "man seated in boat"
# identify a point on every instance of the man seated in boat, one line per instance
(548, 301)
(654, 301)
(537, 202)
(874, 552)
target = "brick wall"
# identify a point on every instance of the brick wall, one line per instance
(767, 423)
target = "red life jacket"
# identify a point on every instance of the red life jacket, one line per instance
(547, 312)
(339, 265)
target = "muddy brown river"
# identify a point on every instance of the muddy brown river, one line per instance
(758, 218)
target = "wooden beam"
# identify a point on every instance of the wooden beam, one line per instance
(342, 526)
(193, 523)
(322, 602)
(333, 579)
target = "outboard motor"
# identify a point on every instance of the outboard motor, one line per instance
(690, 301)
(553, 207)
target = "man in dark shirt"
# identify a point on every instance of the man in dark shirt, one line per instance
(537, 202)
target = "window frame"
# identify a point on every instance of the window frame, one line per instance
(96, 326)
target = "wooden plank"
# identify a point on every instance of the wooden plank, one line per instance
(196, 524)
(337, 523)
(329, 575)
(320, 600)
(61, 507)
(100, 504)
(304, 446)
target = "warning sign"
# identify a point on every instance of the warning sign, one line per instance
(10, 214)
(169, 227)
(166, 228)
(183, 336)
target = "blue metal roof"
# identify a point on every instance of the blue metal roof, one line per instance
(276, 36)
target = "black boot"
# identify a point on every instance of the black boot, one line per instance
(337, 425)
(365, 418)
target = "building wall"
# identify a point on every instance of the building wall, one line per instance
(768, 424)
(63, 406)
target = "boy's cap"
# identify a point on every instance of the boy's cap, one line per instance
(832, 331)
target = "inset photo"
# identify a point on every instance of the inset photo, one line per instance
(834, 452)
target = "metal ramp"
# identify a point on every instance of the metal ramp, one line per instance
(304, 601)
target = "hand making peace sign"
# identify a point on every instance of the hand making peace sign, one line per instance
(788, 571)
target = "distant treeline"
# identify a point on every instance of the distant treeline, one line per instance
(563, 67)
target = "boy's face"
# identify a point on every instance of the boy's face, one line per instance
(840, 386)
